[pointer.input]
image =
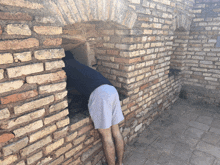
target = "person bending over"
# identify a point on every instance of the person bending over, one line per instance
(103, 104)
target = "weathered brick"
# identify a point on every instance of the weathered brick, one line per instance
(26, 118)
(57, 161)
(14, 147)
(56, 116)
(94, 133)
(18, 29)
(68, 161)
(33, 104)
(21, 163)
(6, 137)
(29, 128)
(85, 129)
(79, 124)
(0, 30)
(79, 140)
(148, 32)
(61, 95)
(144, 86)
(19, 44)
(46, 78)
(4, 113)
(53, 42)
(113, 52)
(35, 157)
(90, 140)
(49, 54)
(138, 127)
(42, 133)
(26, 151)
(54, 146)
(135, 1)
(45, 160)
(73, 151)
(48, 30)
(1, 74)
(22, 3)
(61, 133)
(63, 149)
(45, 19)
(63, 123)
(58, 106)
(77, 161)
(71, 136)
(127, 61)
(15, 16)
(25, 70)
(91, 151)
(52, 88)
(6, 58)
(10, 86)
(22, 57)
(8, 160)
(18, 97)
(54, 65)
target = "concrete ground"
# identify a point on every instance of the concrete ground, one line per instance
(187, 134)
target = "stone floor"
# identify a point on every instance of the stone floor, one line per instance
(187, 134)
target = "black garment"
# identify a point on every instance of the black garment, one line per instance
(83, 78)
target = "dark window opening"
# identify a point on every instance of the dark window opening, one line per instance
(78, 103)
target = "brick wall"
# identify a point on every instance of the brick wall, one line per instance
(203, 56)
(134, 44)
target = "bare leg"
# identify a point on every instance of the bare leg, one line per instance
(119, 143)
(108, 145)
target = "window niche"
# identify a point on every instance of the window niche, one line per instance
(83, 51)
(77, 103)
(180, 42)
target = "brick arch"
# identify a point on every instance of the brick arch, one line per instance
(73, 11)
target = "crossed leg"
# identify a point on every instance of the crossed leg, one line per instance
(109, 146)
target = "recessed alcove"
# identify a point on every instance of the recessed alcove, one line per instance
(80, 41)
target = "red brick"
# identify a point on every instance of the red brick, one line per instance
(144, 86)
(113, 52)
(19, 44)
(131, 104)
(155, 81)
(53, 42)
(18, 97)
(85, 129)
(133, 60)
(122, 60)
(15, 16)
(151, 67)
(6, 137)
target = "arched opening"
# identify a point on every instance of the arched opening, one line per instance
(80, 42)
